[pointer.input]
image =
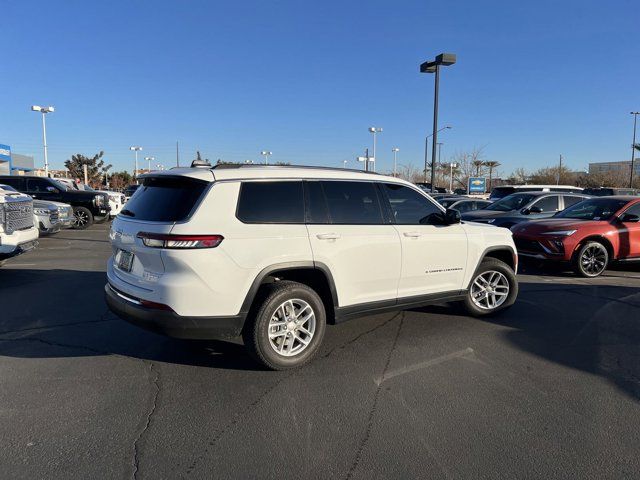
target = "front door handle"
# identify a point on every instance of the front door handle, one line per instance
(328, 236)
(412, 234)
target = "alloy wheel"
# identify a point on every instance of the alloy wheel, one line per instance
(594, 260)
(291, 327)
(489, 290)
(81, 218)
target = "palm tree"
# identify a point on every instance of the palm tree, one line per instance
(478, 164)
(491, 166)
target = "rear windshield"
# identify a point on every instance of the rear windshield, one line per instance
(500, 192)
(164, 199)
(511, 202)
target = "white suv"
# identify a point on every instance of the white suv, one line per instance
(274, 253)
(18, 234)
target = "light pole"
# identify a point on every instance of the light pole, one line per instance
(395, 151)
(426, 150)
(452, 166)
(266, 154)
(135, 169)
(440, 151)
(344, 163)
(374, 131)
(44, 111)
(633, 146)
(149, 160)
(445, 59)
(160, 167)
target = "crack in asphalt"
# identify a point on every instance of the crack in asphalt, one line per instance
(374, 406)
(266, 392)
(360, 335)
(154, 377)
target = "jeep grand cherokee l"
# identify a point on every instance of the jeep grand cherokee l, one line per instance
(276, 253)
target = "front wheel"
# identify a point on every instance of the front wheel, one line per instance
(493, 288)
(82, 218)
(591, 259)
(287, 327)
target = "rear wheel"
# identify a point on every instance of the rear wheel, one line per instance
(287, 327)
(82, 218)
(591, 259)
(494, 287)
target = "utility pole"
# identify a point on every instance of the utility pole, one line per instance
(177, 155)
(559, 170)
(633, 147)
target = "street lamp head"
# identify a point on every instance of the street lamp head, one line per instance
(375, 129)
(36, 108)
(48, 109)
(134, 148)
(635, 113)
(264, 152)
(395, 149)
(448, 126)
(444, 59)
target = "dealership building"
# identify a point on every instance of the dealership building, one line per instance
(14, 163)
(614, 167)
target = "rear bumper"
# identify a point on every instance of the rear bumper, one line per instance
(170, 323)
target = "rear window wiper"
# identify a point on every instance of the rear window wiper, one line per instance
(127, 212)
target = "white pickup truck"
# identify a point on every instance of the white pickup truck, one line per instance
(18, 234)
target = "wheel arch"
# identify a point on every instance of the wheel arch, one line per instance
(504, 253)
(595, 238)
(313, 274)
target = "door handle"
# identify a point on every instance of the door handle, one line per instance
(412, 234)
(328, 236)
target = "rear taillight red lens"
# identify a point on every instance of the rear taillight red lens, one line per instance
(155, 305)
(165, 240)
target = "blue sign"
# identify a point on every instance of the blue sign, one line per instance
(5, 153)
(477, 185)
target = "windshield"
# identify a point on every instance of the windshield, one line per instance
(8, 188)
(59, 185)
(447, 202)
(593, 209)
(511, 202)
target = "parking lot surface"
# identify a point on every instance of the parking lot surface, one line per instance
(549, 389)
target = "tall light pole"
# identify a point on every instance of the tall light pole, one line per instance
(44, 111)
(135, 166)
(633, 147)
(426, 150)
(344, 163)
(395, 151)
(445, 59)
(440, 151)
(149, 160)
(160, 167)
(266, 154)
(374, 131)
(452, 166)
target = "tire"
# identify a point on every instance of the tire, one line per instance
(83, 218)
(591, 260)
(500, 279)
(272, 352)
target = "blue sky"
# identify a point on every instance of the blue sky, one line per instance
(305, 80)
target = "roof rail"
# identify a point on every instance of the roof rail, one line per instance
(257, 165)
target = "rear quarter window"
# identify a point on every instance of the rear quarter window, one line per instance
(165, 199)
(271, 202)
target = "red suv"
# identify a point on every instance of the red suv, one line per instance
(589, 234)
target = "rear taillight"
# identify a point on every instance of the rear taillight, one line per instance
(155, 305)
(164, 240)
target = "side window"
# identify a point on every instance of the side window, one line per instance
(568, 201)
(15, 182)
(409, 207)
(547, 204)
(633, 210)
(353, 203)
(271, 202)
(464, 206)
(36, 185)
(317, 211)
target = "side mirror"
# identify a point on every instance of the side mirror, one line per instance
(535, 209)
(629, 217)
(52, 189)
(451, 216)
(525, 211)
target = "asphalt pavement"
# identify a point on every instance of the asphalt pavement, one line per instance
(549, 389)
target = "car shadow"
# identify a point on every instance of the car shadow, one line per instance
(62, 313)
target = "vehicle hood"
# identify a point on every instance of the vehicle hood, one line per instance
(57, 204)
(556, 224)
(45, 204)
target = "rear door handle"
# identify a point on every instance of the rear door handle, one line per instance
(412, 234)
(328, 236)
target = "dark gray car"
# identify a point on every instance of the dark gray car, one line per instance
(521, 207)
